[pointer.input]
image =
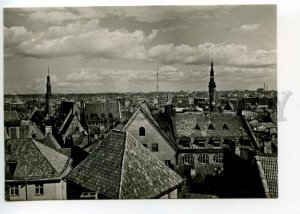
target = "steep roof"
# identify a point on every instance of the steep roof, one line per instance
(268, 172)
(120, 167)
(34, 160)
(51, 142)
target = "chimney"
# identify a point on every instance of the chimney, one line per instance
(48, 130)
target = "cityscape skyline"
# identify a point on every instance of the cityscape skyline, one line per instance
(117, 49)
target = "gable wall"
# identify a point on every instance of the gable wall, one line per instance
(165, 151)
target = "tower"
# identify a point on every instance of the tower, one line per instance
(212, 87)
(48, 95)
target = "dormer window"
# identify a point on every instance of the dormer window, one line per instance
(185, 141)
(142, 131)
(197, 127)
(211, 127)
(225, 127)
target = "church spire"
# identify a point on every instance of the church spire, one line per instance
(48, 95)
(212, 87)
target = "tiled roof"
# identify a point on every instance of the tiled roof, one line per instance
(34, 160)
(209, 125)
(11, 116)
(120, 167)
(269, 175)
(51, 142)
(202, 170)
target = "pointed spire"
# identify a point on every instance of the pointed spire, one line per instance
(48, 70)
(212, 62)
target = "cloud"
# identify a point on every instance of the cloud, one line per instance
(250, 27)
(225, 54)
(85, 38)
(15, 35)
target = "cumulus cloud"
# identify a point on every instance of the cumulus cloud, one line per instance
(15, 35)
(250, 27)
(226, 54)
(87, 39)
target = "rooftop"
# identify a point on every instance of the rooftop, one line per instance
(120, 167)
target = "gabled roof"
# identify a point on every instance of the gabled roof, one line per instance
(34, 160)
(51, 142)
(268, 172)
(155, 125)
(120, 167)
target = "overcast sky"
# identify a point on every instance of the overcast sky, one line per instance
(117, 49)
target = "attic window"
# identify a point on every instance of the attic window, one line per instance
(197, 127)
(142, 131)
(211, 127)
(225, 127)
(185, 141)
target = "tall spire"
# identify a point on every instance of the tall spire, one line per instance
(212, 87)
(48, 94)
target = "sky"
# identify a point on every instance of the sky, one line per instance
(119, 49)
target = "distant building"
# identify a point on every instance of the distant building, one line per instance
(122, 168)
(34, 171)
(101, 117)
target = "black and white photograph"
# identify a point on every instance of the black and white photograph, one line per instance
(140, 102)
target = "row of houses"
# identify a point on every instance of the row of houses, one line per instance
(109, 156)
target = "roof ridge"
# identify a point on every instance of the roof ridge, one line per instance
(122, 164)
(49, 162)
(34, 143)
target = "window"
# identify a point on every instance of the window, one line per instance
(14, 190)
(218, 158)
(167, 162)
(39, 189)
(154, 147)
(142, 131)
(102, 115)
(145, 145)
(203, 158)
(185, 141)
(216, 143)
(188, 159)
(110, 115)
